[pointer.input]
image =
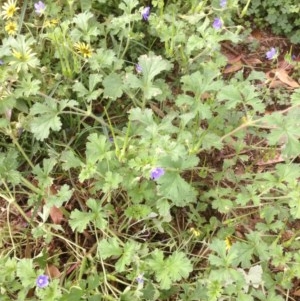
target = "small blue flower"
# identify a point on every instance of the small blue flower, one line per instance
(42, 281)
(39, 7)
(146, 13)
(217, 24)
(140, 279)
(271, 54)
(138, 68)
(223, 3)
(1, 63)
(156, 173)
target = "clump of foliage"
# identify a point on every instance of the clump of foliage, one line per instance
(130, 166)
(282, 19)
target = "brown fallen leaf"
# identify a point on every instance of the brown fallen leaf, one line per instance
(56, 215)
(254, 61)
(233, 67)
(285, 78)
(296, 293)
(233, 60)
(278, 158)
(52, 271)
(281, 75)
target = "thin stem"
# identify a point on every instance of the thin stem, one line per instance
(19, 147)
(22, 15)
(31, 186)
(9, 230)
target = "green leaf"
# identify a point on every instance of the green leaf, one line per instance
(295, 97)
(80, 89)
(164, 208)
(28, 86)
(94, 79)
(79, 220)
(9, 164)
(128, 5)
(137, 211)
(97, 148)
(231, 94)
(182, 162)
(109, 248)
(75, 294)
(43, 173)
(284, 131)
(45, 119)
(61, 197)
(91, 93)
(67, 103)
(172, 269)
(223, 258)
(112, 181)
(288, 172)
(26, 273)
(113, 85)
(198, 83)
(7, 103)
(9, 266)
(69, 160)
(177, 190)
(152, 65)
(144, 117)
(103, 58)
(82, 20)
(246, 252)
(128, 255)
(98, 216)
(294, 203)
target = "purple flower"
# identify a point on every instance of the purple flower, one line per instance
(223, 3)
(217, 23)
(1, 63)
(138, 68)
(39, 7)
(146, 13)
(156, 173)
(42, 281)
(140, 279)
(270, 55)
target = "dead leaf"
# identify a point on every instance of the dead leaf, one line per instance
(285, 65)
(279, 77)
(278, 158)
(254, 61)
(285, 78)
(52, 271)
(297, 293)
(233, 68)
(206, 96)
(256, 34)
(234, 60)
(56, 215)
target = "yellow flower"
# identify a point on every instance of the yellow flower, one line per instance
(17, 54)
(23, 56)
(11, 27)
(83, 49)
(195, 232)
(8, 9)
(51, 23)
(228, 243)
(4, 93)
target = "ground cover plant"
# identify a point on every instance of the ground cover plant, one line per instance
(144, 155)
